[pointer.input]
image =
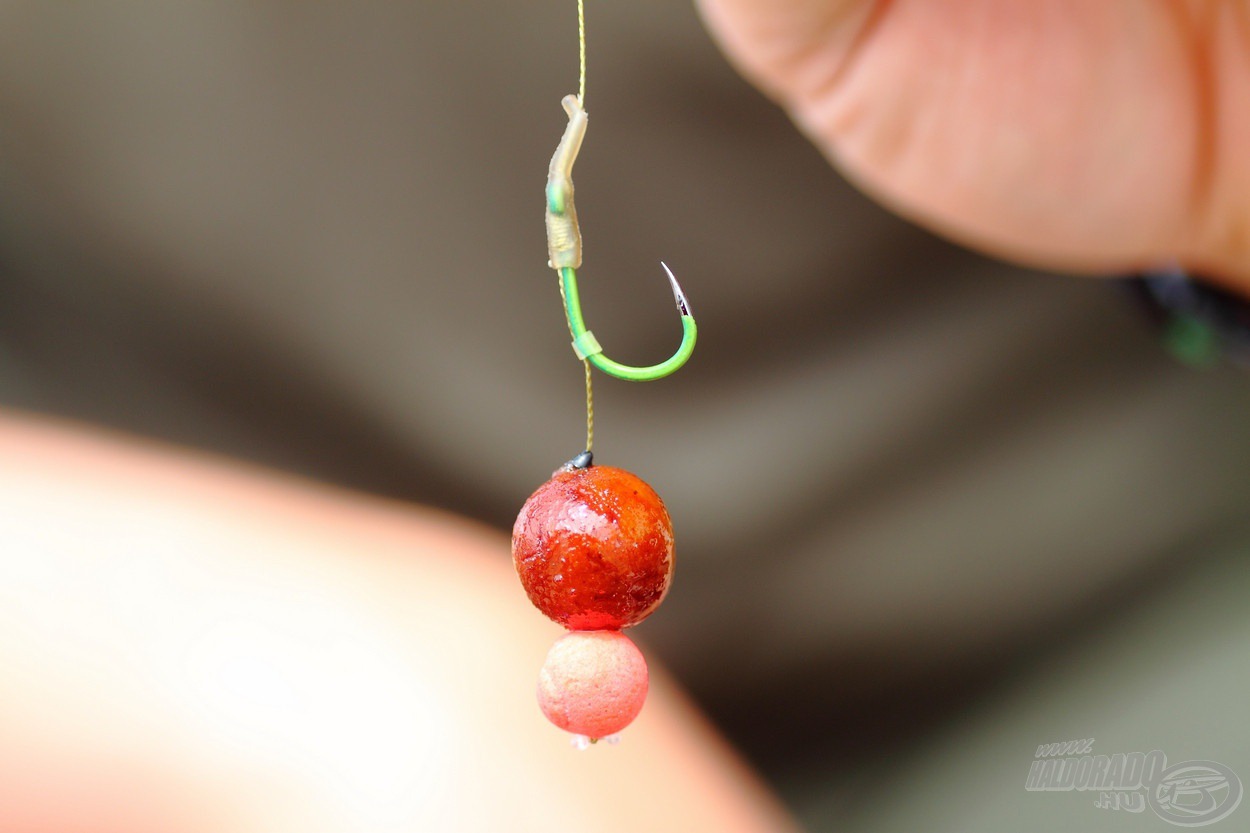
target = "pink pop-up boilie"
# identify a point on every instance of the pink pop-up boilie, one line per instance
(593, 683)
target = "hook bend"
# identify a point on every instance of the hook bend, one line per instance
(587, 347)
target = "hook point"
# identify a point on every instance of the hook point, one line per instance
(683, 306)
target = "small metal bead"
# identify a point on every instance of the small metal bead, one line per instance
(582, 461)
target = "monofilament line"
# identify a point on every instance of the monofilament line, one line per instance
(581, 51)
(581, 97)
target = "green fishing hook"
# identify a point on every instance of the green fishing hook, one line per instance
(564, 250)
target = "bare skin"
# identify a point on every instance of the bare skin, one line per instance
(1085, 136)
(189, 645)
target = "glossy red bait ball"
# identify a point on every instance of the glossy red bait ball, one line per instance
(593, 683)
(594, 548)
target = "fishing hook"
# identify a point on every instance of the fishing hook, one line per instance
(564, 250)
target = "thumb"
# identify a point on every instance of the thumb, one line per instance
(1060, 133)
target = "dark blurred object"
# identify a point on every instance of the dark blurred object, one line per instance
(1201, 322)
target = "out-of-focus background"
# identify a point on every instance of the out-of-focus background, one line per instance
(902, 477)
